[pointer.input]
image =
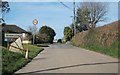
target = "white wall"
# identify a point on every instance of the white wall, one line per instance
(26, 41)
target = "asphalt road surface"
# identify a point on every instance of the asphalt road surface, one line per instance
(62, 58)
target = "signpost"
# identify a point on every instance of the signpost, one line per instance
(35, 22)
(10, 37)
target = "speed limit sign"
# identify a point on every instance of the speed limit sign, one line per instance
(35, 22)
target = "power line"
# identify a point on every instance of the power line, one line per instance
(73, 10)
(65, 5)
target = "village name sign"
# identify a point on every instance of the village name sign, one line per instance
(10, 37)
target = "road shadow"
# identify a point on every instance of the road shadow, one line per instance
(35, 59)
(50, 69)
(70, 74)
(43, 53)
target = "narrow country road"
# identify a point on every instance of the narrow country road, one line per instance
(62, 58)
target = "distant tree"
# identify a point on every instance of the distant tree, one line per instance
(79, 28)
(59, 41)
(41, 38)
(68, 33)
(49, 32)
(4, 8)
(90, 13)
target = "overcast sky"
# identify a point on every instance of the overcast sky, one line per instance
(52, 14)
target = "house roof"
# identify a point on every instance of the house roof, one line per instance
(12, 29)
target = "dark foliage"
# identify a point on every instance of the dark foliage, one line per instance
(59, 41)
(47, 33)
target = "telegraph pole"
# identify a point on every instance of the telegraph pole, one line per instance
(74, 17)
(74, 12)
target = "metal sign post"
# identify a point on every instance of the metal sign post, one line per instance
(35, 22)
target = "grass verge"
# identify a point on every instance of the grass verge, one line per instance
(111, 50)
(12, 62)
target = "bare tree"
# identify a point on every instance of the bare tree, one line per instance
(90, 13)
(32, 29)
(4, 8)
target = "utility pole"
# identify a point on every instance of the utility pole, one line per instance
(74, 12)
(74, 17)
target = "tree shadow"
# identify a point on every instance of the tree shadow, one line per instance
(50, 69)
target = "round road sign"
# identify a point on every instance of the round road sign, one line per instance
(35, 22)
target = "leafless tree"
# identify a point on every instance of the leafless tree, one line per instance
(4, 8)
(90, 13)
(32, 29)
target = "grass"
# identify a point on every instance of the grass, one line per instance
(0, 60)
(12, 62)
(111, 50)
